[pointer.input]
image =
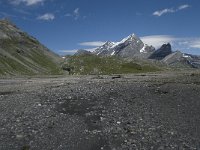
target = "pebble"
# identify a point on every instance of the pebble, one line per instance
(19, 136)
(118, 122)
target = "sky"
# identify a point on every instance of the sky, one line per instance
(67, 25)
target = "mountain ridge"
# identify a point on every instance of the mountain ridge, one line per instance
(133, 47)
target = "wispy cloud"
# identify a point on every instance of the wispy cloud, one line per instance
(75, 14)
(91, 49)
(195, 43)
(68, 51)
(170, 10)
(22, 11)
(164, 11)
(26, 2)
(183, 7)
(92, 44)
(186, 45)
(7, 15)
(46, 17)
(73, 51)
(177, 42)
(157, 40)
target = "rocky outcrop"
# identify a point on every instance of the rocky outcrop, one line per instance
(162, 52)
(182, 60)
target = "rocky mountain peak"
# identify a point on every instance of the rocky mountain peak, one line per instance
(130, 38)
(166, 47)
(131, 46)
(108, 44)
(162, 52)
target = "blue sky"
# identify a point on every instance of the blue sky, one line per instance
(67, 25)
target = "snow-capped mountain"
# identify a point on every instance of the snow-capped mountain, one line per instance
(131, 46)
(104, 48)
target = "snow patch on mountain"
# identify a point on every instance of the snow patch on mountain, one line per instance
(143, 50)
(186, 56)
(128, 38)
(112, 53)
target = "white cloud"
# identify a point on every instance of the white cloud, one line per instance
(184, 44)
(91, 49)
(21, 11)
(76, 11)
(157, 40)
(46, 17)
(6, 15)
(170, 10)
(75, 14)
(195, 43)
(187, 45)
(68, 51)
(27, 2)
(71, 52)
(183, 7)
(92, 44)
(162, 12)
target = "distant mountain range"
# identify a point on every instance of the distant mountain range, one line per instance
(21, 54)
(133, 47)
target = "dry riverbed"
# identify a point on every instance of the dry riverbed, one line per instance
(142, 111)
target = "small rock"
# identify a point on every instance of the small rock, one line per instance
(102, 118)
(19, 136)
(118, 122)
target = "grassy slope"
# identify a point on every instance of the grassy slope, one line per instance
(90, 64)
(25, 58)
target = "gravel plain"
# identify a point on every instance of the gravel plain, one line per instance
(158, 111)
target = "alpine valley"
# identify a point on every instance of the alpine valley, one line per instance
(22, 54)
(124, 95)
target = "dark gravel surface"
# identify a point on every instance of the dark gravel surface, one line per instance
(144, 112)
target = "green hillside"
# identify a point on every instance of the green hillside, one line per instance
(21, 54)
(91, 64)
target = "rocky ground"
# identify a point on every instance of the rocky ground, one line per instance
(143, 111)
